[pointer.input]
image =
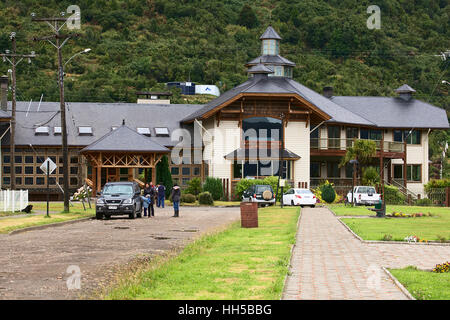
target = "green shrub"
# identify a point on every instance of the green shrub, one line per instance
(328, 193)
(370, 176)
(214, 187)
(205, 198)
(188, 198)
(434, 184)
(194, 186)
(424, 202)
(393, 196)
(243, 185)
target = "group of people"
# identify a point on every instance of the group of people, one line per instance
(157, 194)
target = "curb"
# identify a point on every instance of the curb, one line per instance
(50, 225)
(388, 242)
(399, 285)
(291, 254)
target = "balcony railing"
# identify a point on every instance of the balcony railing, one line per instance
(343, 144)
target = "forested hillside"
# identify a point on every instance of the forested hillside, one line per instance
(140, 44)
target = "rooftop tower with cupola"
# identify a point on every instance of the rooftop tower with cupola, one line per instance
(270, 56)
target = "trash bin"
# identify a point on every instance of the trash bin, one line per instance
(379, 205)
(249, 215)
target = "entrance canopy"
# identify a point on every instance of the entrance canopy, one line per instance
(123, 148)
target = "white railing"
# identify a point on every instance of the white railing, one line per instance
(13, 200)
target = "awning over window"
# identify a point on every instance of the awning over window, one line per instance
(261, 154)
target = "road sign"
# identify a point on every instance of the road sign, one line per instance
(48, 163)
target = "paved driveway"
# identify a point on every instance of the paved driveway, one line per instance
(328, 262)
(33, 264)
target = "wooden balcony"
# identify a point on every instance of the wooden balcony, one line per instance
(338, 147)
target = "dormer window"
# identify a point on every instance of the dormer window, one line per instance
(57, 131)
(271, 47)
(85, 131)
(162, 132)
(144, 131)
(42, 131)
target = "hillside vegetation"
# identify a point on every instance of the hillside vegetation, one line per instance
(141, 44)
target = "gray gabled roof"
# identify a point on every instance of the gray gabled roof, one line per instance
(100, 116)
(124, 139)
(271, 60)
(283, 85)
(259, 68)
(395, 112)
(405, 89)
(270, 33)
(4, 115)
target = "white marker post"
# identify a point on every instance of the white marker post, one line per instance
(48, 167)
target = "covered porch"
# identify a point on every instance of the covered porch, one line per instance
(119, 154)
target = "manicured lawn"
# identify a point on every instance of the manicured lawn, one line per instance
(341, 210)
(236, 263)
(424, 285)
(59, 206)
(429, 228)
(10, 224)
(216, 203)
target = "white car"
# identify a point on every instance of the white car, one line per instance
(299, 197)
(364, 195)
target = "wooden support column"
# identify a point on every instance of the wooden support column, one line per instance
(154, 175)
(405, 165)
(99, 178)
(146, 175)
(94, 178)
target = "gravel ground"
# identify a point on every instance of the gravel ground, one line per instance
(33, 265)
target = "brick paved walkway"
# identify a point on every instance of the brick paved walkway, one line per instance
(328, 262)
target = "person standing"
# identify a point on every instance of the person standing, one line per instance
(161, 195)
(176, 196)
(149, 192)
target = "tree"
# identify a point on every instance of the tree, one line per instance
(247, 17)
(362, 150)
(370, 176)
(163, 175)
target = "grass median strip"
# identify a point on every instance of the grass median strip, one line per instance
(10, 224)
(235, 263)
(424, 285)
(429, 228)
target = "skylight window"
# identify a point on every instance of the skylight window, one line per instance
(113, 128)
(162, 132)
(57, 130)
(144, 131)
(42, 130)
(85, 131)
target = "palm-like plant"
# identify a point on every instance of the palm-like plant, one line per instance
(362, 150)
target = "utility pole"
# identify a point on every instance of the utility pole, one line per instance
(56, 25)
(12, 59)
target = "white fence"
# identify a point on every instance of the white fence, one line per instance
(13, 200)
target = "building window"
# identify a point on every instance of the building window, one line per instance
(73, 181)
(315, 169)
(29, 159)
(6, 159)
(413, 138)
(349, 171)
(85, 131)
(42, 131)
(270, 47)
(162, 132)
(73, 160)
(6, 180)
(186, 171)
(6, 169)
(29, 170)
(278, 71)
(175, 171)
(40, 181)
(18, 170)
(185, 181)
(29, 181)
(18, 159)
(333, 170)
(237, 169)
(334, 137)
(261, 129)
(196, 171)
(398, 171)
(57, 131)
(18, 181)
(370, 134)
(414, 172)
(73, 170)
(144, 131)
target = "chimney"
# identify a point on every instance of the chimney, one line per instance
(405, 92)
(328, 92)
(4, 93)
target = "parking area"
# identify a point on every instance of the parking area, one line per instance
(34, 264)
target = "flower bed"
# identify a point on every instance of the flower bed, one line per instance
(411, 215)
